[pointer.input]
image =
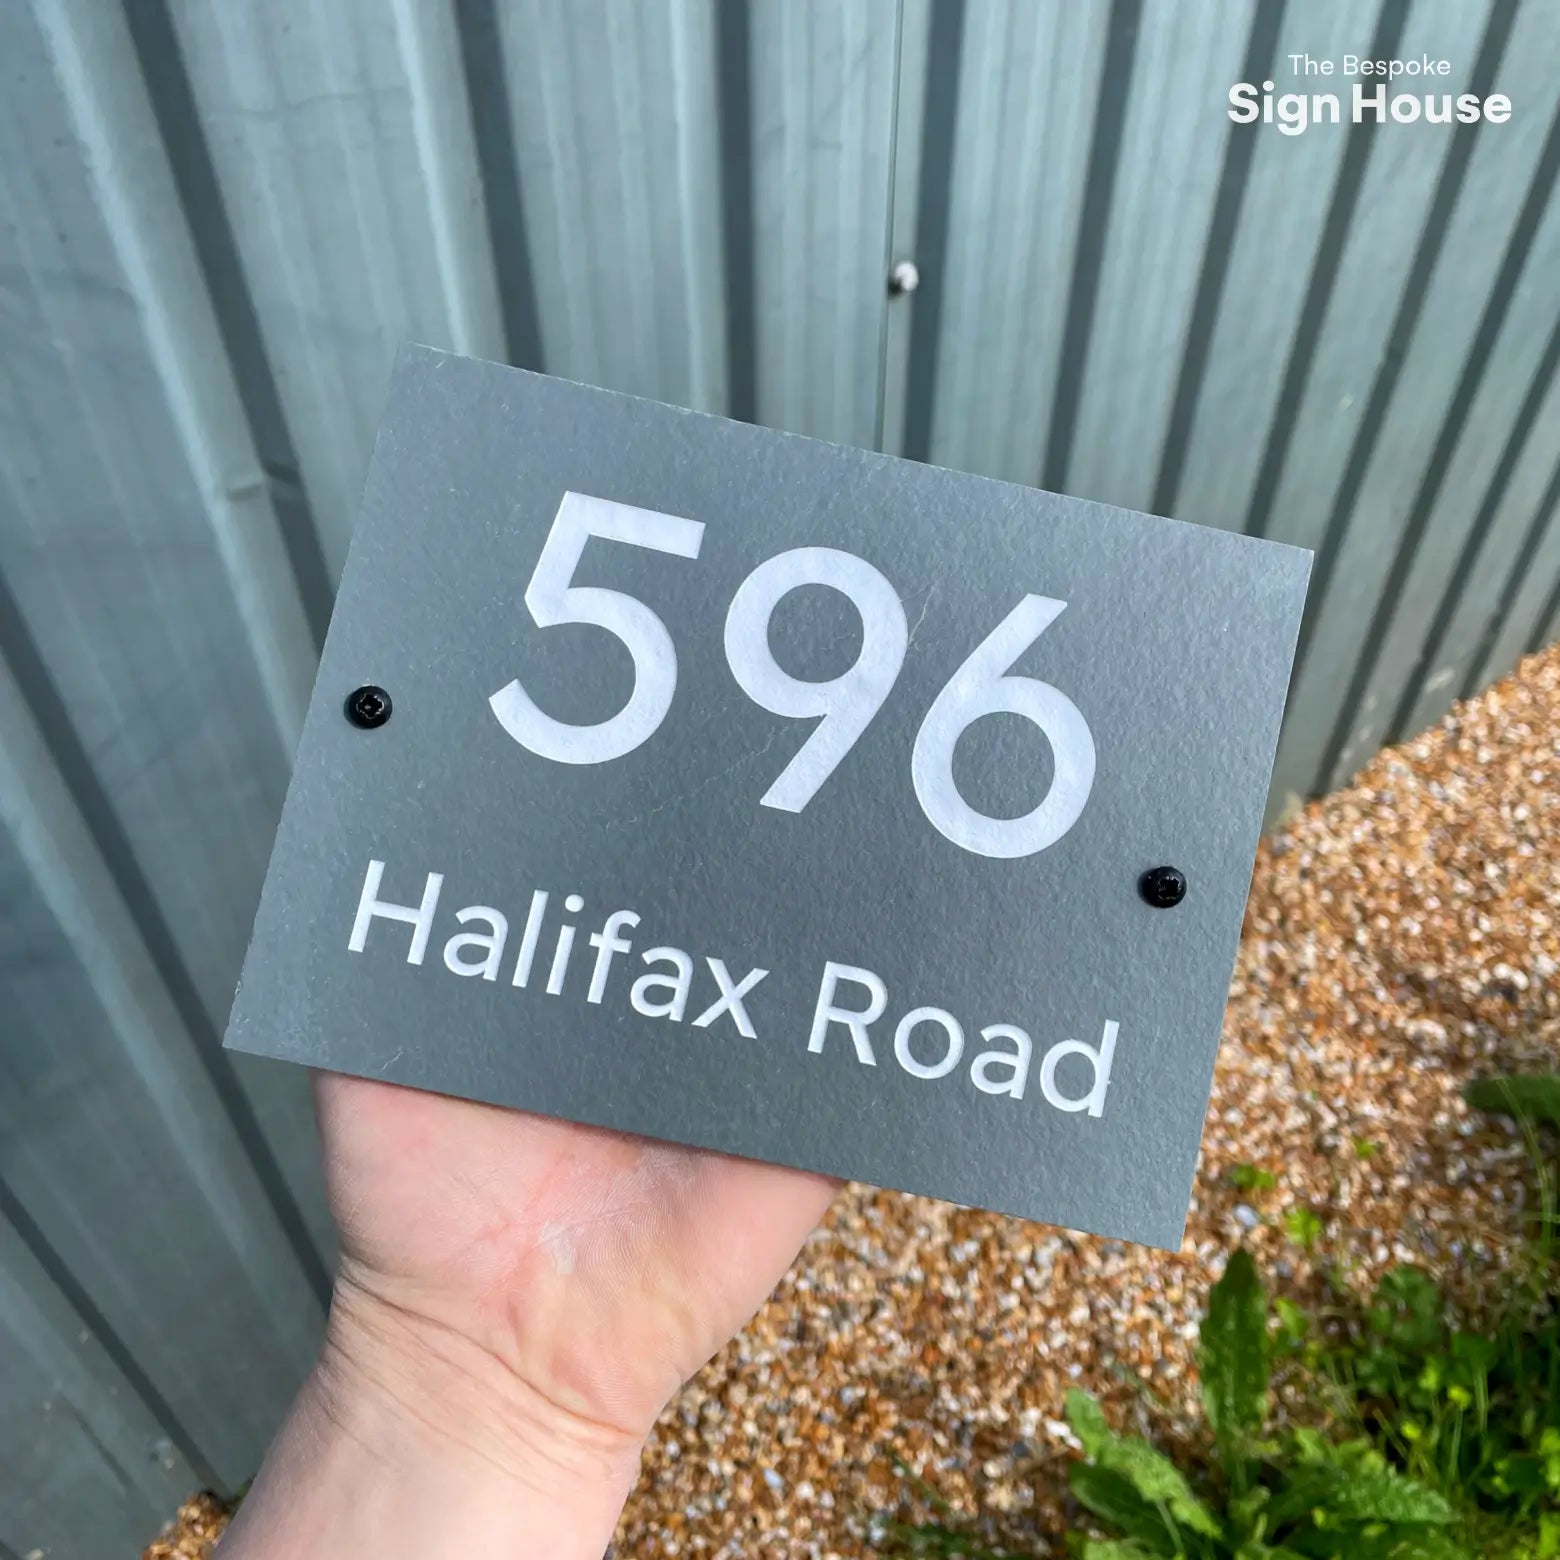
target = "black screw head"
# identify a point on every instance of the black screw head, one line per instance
(1163, 887)
(368, 706)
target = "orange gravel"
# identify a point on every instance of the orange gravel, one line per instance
(191, 1534)
(1403, 936)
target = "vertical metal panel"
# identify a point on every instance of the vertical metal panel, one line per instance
(1432, 391)
(616, 153)
(341, 143)
(117, 1147)
(145, 597)
(1173, 115)
(1378, 246)
(1492, 417)
(103, 99)
(1021, 136)
(1461, 566)
(822, 147)
(905, 217)
(1515, 623)
(89, 1470)
(1266, 257)
(618, 119)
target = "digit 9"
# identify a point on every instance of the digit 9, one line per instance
(848, 702)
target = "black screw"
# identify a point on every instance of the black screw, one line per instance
(368, 706)
(1163, 887)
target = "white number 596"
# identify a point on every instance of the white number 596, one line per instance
(983, 685)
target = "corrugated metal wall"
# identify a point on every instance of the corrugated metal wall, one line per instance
(219, 217)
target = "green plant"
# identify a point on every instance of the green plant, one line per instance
(1298, 1497)
(1453, 1436)
(1248, 1178)
(1472, 1415)
(1304, 1226)
(1535, 1098)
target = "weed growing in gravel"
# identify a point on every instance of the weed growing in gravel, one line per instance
(1452, 1444)
(1474, 1415)
(1248, 1178)
(1298, 1494)
(1295, 1497)
(1304, 1226)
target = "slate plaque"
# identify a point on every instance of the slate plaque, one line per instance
(754, 793)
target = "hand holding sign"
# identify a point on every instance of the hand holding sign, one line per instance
(517, 1298)
(761, 795)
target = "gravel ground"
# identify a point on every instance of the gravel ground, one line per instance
(1403, 936)
(192, 1533)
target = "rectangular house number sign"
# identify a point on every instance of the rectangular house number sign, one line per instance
(706, 782)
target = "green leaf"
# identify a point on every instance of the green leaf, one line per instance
(1293, 1320)
(1087, 1421)
(1387, 1497)
(1246, 1519)
(1150, 1473)
(1351, 1482)
(1407, 1309)
(1251, 1508)
(1406, 1543)
(1114, 1549)
(1311, 1445)
(1304, 1226)
(1233, 1358)
(1304, 1490)
(1113, 1500)
(1535, 1097)
(1475, 1353)
(1157, 1479)
(1521, 1474)
(1548, 1535)
(1357, 1458)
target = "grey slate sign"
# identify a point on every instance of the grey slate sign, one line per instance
(753, 793)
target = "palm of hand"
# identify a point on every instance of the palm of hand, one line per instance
(600, 1270)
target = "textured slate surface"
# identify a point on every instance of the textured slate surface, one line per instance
(1173, 641)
